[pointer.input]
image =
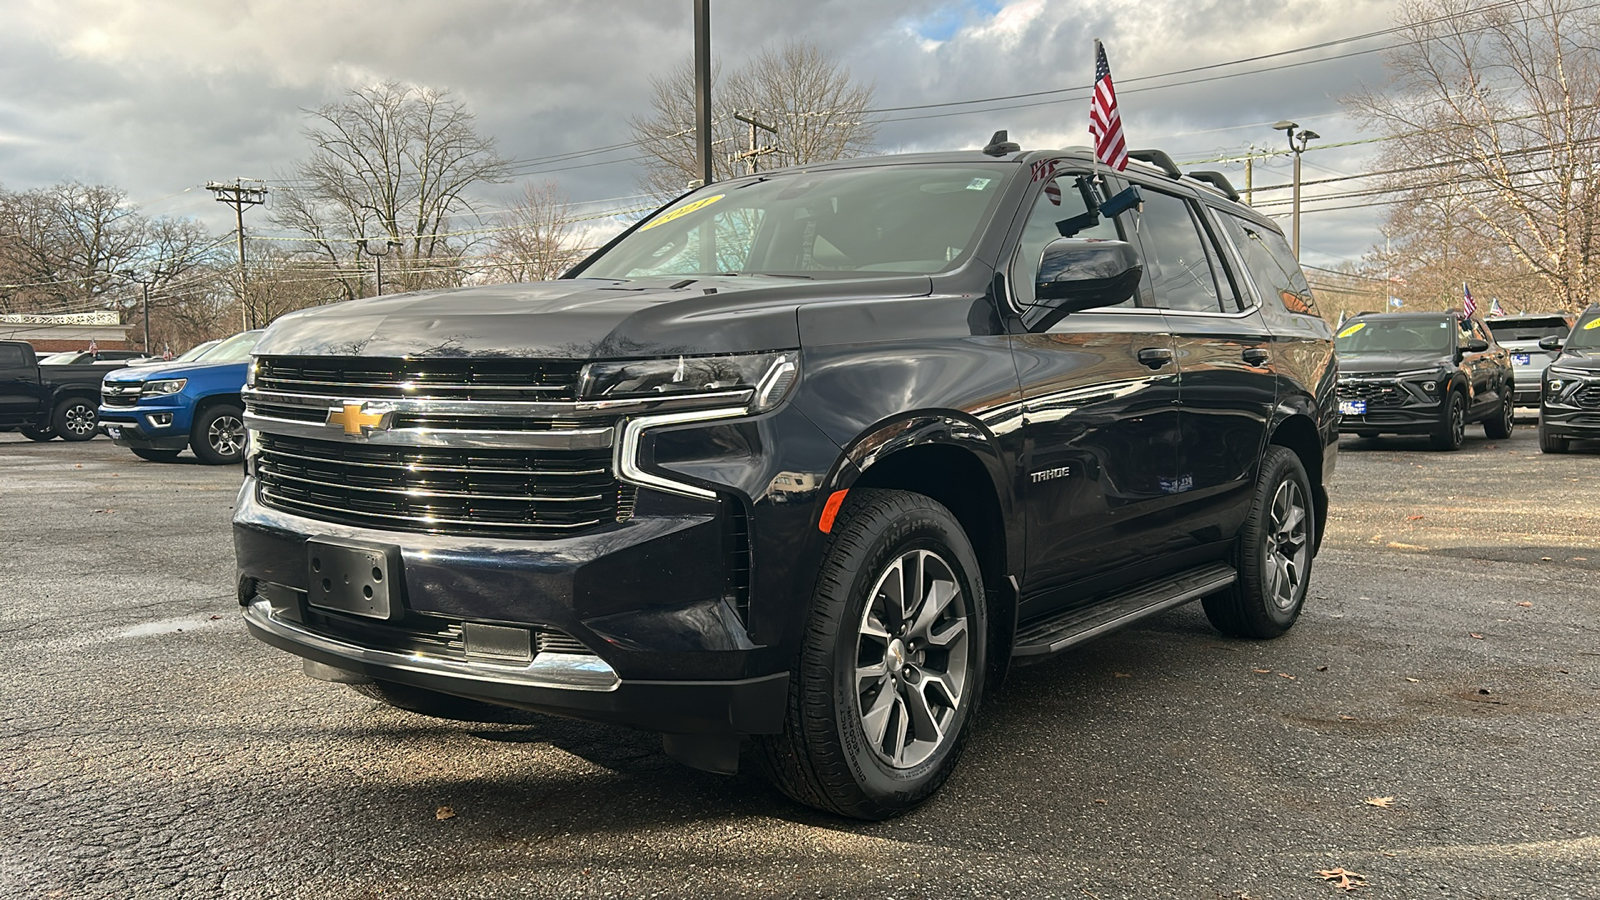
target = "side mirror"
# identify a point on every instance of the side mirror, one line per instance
(1474, 345)
(1552, 342)
(1076, 274)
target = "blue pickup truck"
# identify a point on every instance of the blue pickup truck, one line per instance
(156, 411)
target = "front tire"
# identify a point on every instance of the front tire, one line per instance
(217, 437)
(75, 419)
(1499, 427)
(1549, 443)
(1272, 554)
(1452, 430)
(892, 664)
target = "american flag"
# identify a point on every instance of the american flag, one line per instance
(1469, 305)
(1494, 307)
(1105, 123)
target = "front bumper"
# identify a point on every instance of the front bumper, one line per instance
(1414, 416)
(146, 427)
(1566, 422)
(666, 651)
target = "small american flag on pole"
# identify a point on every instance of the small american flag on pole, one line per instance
(1105, 123)
(1468, 305)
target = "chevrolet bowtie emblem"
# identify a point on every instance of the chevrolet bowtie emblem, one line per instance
(361, 418)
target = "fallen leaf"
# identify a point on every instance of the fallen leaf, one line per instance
(1544, 559)
(1412, 518)
(1483, 691)
(1120, 675)
(1343, 880)
(1322, 668)
(214, 618)
(1524, 603)
(1580, 559)
(1262, 671)
(1347, 718)
(1413, 680)
(1286, 675)
(1474, 635)
(1380, 802)
(105, 510)
(444, 812)
(1098, 800)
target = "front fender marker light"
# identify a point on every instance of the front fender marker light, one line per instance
(830, 510)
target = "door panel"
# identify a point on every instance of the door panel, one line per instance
(19, 385)
(1227, 401)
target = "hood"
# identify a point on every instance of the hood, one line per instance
(1588, 362)
(582, 318)
(1362, 363)
(171, 370)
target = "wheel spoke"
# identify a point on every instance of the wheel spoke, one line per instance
(940, 594)
(876, 719)
(1292, 521)
(872, 626)
(902, 731)
(925, 725)
(955, 631)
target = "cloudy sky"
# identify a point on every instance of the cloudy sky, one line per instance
(158, 97)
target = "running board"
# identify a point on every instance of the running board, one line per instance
(1073, 627)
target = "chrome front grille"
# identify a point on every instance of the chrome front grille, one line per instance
(124, 394)
(1376, 393)
(1587, 397)
(422, 379)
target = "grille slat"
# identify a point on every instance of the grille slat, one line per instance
(427, 378)
(1587, 398)
(1376, 393)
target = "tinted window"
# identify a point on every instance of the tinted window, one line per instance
(1528, 329)
(1585, 335)
(1271, 263)
(1175, 254)
(883, 219)
(1059, 201)
(11, 357)
(1378, 335)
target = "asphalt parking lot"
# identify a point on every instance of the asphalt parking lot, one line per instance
(1429, 725)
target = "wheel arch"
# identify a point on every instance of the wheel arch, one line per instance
(1299, 434)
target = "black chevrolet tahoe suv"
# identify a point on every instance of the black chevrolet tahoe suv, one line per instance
(44, 402)
(802, 461)
(1569, 408)
(1423, 373)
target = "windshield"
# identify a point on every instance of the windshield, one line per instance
(902, 219)
(1528, 329)
(61, 359)
(1585, 335)
(195, 352)
(1394, 336)
(234, 349)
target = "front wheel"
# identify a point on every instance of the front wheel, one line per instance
(1452, 430)
(892, 665)
(217, 438)
(75, 419)
(1272, 554)
(1549, 443)
(1499, 427)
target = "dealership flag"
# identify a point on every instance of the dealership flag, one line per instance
(1105, 123)
(1468, 305)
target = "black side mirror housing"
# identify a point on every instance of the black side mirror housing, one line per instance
(1076, 274)
(1474, 345)
(1551, 342)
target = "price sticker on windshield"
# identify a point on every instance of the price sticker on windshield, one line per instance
(682, 211)
(1360, 325)
(1593, 324)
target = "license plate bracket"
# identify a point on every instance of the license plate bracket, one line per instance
(1353, 407)
(353, 577)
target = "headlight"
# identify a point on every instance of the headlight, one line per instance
(169, 386)
(250, 373)
(767, 376)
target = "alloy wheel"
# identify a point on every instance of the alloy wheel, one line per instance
(1287, 548)
(912, 659)
(80, 419)
(1458, 420)
(226, 435)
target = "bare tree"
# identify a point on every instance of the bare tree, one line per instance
(818, 109)
(392, 163)
(537, 243)
(1493, 110)
(62, 244)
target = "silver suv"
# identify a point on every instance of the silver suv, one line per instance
(1521, 335)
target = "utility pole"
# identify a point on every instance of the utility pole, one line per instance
(239, 197)
(389, 247)
(1306, 136)
(755, 152)
(702, 86)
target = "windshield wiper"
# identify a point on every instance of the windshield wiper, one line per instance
(768, 275)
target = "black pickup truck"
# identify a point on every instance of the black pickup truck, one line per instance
(807, 457)
(44, 402)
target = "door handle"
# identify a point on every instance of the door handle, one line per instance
(1155, 357)
(1256, 356)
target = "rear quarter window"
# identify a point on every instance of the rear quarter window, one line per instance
(1271, 263)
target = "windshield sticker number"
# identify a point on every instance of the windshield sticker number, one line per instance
(1593, 324)
(682, 211)
(1352, 329)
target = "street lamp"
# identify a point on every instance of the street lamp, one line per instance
(1303, 137)
(389, 247)
(144, 284)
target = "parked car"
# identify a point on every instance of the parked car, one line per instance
(1570, 406)
(43, 402)
(157, 411)
(808, 457)
(1520, 334)
(85, 357)
(1423, 373)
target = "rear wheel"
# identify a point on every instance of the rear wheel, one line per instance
(1499, 426)
(161, 456)
(37, 434)
(892, 664)
(1272, 554)
(217, 437)
(1452, 430)
(1549, 443)
(75, 419)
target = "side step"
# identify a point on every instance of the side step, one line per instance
(1052, 635)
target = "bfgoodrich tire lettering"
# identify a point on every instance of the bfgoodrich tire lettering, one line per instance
(1273, 553)
(892, 664)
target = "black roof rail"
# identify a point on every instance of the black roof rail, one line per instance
(1000, 146)
(1218, 181)
(1159, 159)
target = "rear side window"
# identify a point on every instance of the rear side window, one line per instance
(1181, 270)
(1272, 263)
(12, 357)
